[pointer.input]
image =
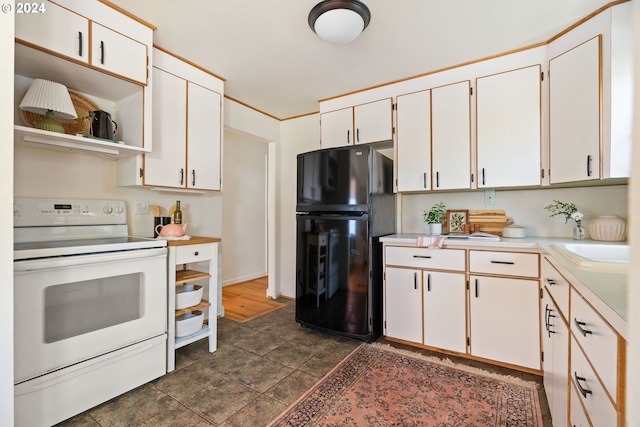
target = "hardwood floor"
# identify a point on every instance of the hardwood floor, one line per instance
(247, 300)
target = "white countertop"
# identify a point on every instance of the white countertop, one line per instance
(604, 287)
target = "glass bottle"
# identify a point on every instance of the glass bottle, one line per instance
(177, 214)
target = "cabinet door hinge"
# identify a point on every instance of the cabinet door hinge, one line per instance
(141, 172)
(542, 173)
(468, 341)
(542, 356)
(541, 292)
(467, 284)
(542, 76)
(393, 130)
(471, 91)
(394, 106)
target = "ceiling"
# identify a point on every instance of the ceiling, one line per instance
(273, 62)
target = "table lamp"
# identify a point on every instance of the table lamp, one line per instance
(50, 99)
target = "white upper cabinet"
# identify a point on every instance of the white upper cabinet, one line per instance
(187, 128)
(103, 56)
(591, 99)
(204, 131)
(57, 29)
(118, 54)
(165, 165)
(509, 128)
(451, 136)
(362, 124)
(373, 121)
(574, 113)
(336, 128)
(434, 139)
(413, 159)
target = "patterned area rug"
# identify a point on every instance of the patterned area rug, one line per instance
(377, 385)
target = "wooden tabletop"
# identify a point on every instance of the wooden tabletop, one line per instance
(193, 241)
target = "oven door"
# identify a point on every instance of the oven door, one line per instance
(70, 309)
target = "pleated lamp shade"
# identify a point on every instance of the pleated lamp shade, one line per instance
(50, 99)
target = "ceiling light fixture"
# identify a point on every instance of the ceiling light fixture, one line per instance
(338, 21)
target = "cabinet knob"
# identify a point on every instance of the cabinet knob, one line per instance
(196, 253)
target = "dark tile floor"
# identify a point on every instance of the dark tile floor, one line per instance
(260, 368)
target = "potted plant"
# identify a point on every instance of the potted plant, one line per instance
(435, 217)
(569, 211)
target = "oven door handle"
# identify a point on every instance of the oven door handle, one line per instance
(68, 261)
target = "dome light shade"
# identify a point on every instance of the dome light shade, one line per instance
(339, 21)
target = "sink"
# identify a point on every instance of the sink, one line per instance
(594, 254)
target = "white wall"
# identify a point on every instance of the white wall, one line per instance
(297, 136)
(526, 207)
(633, 355)
(6, 217)
(244, 216)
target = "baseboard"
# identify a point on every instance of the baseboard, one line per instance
(241, 279)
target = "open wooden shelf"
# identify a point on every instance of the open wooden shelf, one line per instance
(203, 303)
(185, 276)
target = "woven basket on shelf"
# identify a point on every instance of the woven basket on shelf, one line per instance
(82, 124)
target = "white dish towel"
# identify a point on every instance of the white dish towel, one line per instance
(431, 241)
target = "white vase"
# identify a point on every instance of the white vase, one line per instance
(435, 229)
(609, 228)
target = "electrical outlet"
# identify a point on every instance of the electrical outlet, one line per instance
(142, 207)
(489, 197)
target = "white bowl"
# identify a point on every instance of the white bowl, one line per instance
(608, 228)
(188, 295)
(513, 231)
(189, 323)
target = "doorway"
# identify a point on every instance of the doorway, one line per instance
(245, 208)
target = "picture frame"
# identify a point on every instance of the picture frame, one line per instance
(456, 220)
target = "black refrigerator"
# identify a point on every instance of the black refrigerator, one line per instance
(345, 203)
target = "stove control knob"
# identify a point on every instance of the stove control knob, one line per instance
(119, 210)
(107, 209)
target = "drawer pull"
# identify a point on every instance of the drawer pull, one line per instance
(579, 325)
(422, 256)
(547, 319)
(415, 281)
(583, 391)
(503, 262)
(551, 282)
(428, 282)
(476, 288)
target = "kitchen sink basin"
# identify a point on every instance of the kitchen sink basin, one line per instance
(594, 254)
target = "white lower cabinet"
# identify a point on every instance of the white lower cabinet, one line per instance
(584, 357)
(503, 318)
(578, 418)
(591, 392)
(403, 303)
(555, 360)
(445, 318)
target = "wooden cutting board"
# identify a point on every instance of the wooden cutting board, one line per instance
(488, 221)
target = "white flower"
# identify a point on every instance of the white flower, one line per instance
(577, 216)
